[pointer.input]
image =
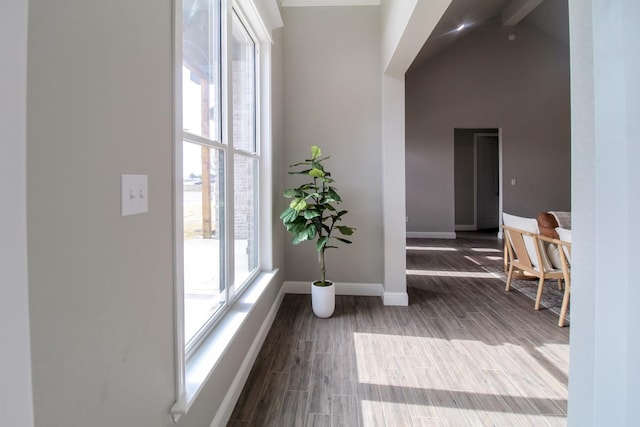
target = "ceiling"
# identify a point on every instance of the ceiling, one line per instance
(550, 16)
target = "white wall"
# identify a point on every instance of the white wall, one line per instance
(332, 98)
(101, 285)
(279, 166)
(405, 27)
(485, 80)
(605, 332)
(16, 402)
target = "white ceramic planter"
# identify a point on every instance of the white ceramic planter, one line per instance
(323, 300)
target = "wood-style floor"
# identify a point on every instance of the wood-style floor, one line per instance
(463, 353)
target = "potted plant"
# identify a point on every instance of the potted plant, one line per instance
(312, 214)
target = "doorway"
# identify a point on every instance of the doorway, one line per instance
(478, 179)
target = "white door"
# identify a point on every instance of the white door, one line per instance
(487, 181)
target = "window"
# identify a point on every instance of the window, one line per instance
(245, 163)
(220, 164)
(222, 185)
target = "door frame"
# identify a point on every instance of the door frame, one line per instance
(475, 177)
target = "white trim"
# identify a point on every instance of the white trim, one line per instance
(396, 298)
(305, 3)
(178, 236)
(203, 362)
(475, 180)
(263, 16)
(233, 393)
(342, 288)
(16, 386)
(500, 186)
(466, 227)
(475, 174)
(430, 235)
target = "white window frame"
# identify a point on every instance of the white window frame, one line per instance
(194, 367)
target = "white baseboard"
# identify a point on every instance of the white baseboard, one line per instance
(342, 288)
(430, 235)
(464, 227)
(233, 394)
(396, 298)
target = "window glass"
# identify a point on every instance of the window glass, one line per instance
(210, 279)
(203, 226)
(243, 53)
(245, 218)
(201, 68)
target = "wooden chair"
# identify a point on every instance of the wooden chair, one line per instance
(525, 255)
(565, 257)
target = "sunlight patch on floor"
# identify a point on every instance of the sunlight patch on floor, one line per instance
(441, 273)
(431, 248)
(486, 250)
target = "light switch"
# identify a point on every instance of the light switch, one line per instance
(135, 194)
(513, 181)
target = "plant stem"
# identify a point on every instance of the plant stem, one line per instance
(322, 266)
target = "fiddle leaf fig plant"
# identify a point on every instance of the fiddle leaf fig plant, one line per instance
(312, 214)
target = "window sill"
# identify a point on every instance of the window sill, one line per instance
(204, 360)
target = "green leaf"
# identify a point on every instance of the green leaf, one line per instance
(298, 225)
(298, 204)
(310, 231)
(315, 152)
(321, 242)
(298, 164)
(335, 196)
(311, 213)
(293, 192)
(343, 240)
(302, 172)
(288, 215)
(316, 173)
(317, 165)
(347, 231)
(300, 237)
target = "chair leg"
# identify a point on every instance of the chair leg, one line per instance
(505, 256)
(565, 304)
(559, 284)
(539, 295)
(509, 277)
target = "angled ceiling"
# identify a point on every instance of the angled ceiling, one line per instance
(550, 16)
(292, 3)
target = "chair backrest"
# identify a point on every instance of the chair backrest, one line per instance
(526, 230)
(528, 255)
(564, 251)
(564, 235)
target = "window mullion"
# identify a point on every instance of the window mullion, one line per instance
(227, 139)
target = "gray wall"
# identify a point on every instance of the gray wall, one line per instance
(332, 99)
(101, 285)
(487, 81)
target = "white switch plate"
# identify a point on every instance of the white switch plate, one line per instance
(135, 194)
